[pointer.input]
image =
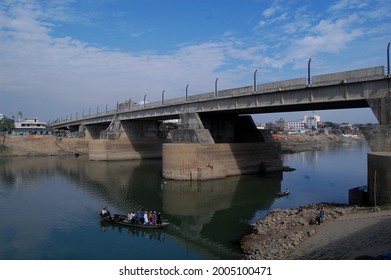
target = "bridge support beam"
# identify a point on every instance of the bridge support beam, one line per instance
(199, 153)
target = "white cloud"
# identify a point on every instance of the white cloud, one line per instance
(64, 72)
(40, 67)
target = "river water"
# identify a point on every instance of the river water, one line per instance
(49, 204)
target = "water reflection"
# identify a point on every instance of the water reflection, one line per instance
(206, 217)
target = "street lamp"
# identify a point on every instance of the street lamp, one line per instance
(309, 72)
(388, 59)
(216, 86)
(255, 81)
(187, 86)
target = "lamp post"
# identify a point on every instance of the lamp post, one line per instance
(309, 72)
(388, 59)
(145, 99)
(163, 96)
(216, 87)
(255, 80)
(187, 86)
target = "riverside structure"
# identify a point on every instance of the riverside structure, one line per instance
(217, 136)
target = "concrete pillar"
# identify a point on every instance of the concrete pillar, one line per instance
(379, 160)
(217, 146)
(379, 178)
(193, 161)
(133, 140)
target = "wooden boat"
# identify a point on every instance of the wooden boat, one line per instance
(123, 221)
(280, 194)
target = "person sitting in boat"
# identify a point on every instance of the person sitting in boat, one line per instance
(146, 221)
(154, 219)
(131, 217)
(150, 218)
(158, 219)
(104, 212)
(140, 218)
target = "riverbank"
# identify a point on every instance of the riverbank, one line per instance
(306, 142)
(41, 145)
(348, 232)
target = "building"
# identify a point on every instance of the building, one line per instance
(294, 125)
(30, 126)
(311, 121)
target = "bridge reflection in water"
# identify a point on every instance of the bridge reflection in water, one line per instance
(207, 216)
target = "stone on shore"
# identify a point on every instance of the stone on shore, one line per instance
(277, 234)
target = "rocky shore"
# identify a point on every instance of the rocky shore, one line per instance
(277, 234)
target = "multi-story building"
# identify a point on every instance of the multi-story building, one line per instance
(294, 125)
(312, 121)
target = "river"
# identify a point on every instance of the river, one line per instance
(48, 205)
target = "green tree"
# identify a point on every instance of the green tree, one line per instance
(6, 124)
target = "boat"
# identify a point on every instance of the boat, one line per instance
(280, 194)
(122, 220)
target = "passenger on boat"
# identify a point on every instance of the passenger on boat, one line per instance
(145, 218)
(154, 218)
(140, 218)
(104, 212)
(131, 217)
(150, 218)
(158, 219)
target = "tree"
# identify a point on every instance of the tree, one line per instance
(6, 124)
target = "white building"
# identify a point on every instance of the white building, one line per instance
(311, 121)
(30, 126)
(294, 125)
(1, 117)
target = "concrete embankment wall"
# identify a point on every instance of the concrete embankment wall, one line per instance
(43, 145)
(123, 149)
(188, 161)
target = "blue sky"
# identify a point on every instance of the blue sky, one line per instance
(62, 57)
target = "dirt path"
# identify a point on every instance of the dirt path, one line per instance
(359, 234)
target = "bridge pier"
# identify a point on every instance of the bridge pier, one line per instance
(128, 140)
(379, 159)
(216, 146)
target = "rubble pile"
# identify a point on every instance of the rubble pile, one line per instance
(275, 235)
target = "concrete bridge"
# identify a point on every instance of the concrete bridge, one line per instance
(217, 136)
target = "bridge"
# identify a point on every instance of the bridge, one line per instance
(217, 136)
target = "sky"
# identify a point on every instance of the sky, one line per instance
(63, 57)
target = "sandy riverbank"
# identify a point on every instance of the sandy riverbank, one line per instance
(348, 232)
(305, 142)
